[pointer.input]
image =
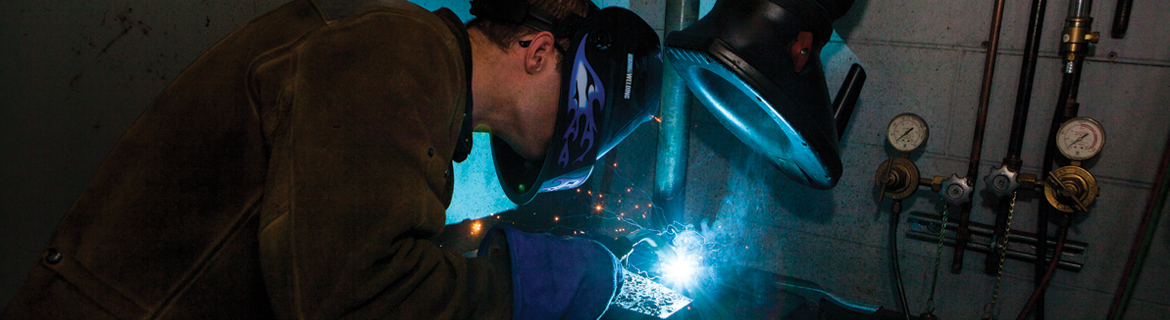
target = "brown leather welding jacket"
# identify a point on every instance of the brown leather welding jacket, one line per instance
(295, 170)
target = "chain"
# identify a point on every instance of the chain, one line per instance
(1002, 255)
(942, 236)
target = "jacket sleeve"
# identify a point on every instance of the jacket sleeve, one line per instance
(369, 109)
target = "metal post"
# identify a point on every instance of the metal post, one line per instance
(670, 170)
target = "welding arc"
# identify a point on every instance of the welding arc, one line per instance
(1039, 290)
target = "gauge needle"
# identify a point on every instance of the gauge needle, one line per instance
(905, 133)
(1079, 139)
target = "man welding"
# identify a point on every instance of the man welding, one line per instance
(297, 168)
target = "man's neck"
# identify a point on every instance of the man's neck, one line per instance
(488, 89)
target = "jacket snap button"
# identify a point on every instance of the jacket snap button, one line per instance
(430, 152)
(52, 256)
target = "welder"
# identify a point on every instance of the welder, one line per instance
(298, 167)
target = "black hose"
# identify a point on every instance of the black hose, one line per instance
(1063, 112)
(1024, 90)
(895, 217)
(1121, 19)
(1019, 122)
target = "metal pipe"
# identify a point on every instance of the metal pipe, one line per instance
(1024, 89)
(1079, 8)
(1143, 238)
(1121, 19)
(1023, 237)
(846, 98)
(977, 140)
(1019, 122)
(670, 170)
(983, 248)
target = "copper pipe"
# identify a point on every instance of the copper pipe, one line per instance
(964, 235)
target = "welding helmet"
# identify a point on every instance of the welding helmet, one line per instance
(755, 64)
(611, 78)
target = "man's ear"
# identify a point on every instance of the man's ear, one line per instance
(540, 55)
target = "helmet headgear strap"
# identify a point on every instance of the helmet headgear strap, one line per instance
(522, 13)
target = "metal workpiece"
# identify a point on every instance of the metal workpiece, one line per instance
(956, 191)
(1071, 189)
(897, 177)
(1003, 181)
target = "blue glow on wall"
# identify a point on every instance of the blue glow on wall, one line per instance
(477, 190)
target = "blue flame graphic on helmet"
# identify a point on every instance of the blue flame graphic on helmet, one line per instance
(567, 181)
(586, 96)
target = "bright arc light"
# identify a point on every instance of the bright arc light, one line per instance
(681, 269)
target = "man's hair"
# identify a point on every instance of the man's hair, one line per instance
(504, 34)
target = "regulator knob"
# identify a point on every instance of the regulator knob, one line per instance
(1071, 189)
(897, 178)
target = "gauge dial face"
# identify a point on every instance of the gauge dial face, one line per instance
(1080, 138)
(907, 132)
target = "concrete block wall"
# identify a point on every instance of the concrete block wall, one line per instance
(927, 58)
(76, 73)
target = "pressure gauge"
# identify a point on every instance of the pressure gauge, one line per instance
(1080, 138)
(907, 132)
